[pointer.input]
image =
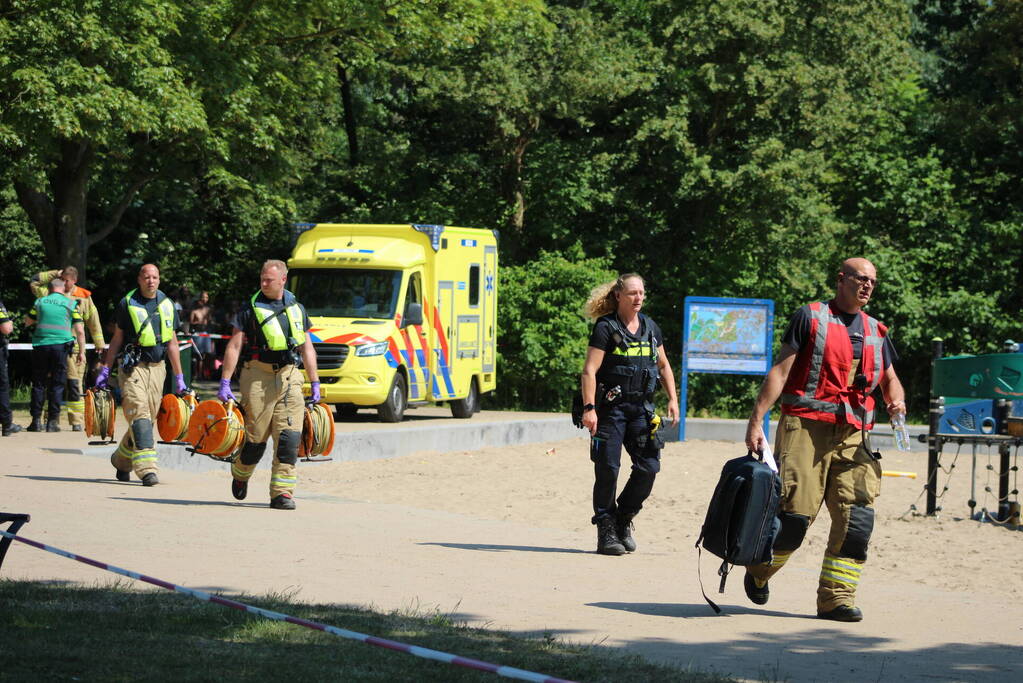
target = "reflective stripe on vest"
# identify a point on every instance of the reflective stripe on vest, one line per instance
(55, 314)
(139, 314)
(807, 401)
(273, 334)
(633, 367)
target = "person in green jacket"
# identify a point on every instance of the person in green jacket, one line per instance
(58, 325)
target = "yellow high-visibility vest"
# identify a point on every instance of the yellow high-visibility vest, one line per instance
(139, 314)
(275, 335)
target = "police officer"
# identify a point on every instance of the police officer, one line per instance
(624, 360)
(833, 356)
(274, 330)
(144, 336)
(6, 417)
(74, 396)
(58, 327)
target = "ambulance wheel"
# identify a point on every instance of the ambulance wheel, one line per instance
(465, 407)
(393, 409)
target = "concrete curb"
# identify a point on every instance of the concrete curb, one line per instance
(397, 441)
(391, 442)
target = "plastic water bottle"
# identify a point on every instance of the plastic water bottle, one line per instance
(900, 431)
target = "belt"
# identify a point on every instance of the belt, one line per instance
(274, 367)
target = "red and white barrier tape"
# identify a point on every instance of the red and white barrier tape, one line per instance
(425, 653)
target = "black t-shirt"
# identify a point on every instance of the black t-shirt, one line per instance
(245, 320)
(150, 354)
(4, 317)
(602, 336)
(798, 333)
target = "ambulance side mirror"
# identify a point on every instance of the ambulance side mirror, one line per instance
(413, 315)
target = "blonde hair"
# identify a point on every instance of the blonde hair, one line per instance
(274, 263)
(602, 299)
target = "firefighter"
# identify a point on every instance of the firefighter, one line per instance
(624, 361)
(144, 337)
(833, 356)
(58, 329)
(273, 328)
(6, 417)
(74, 397)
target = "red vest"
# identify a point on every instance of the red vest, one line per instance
(818, 386)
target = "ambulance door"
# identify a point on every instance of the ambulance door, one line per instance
(467, 362)
(415, 348)
(445, 341)
(489, 303)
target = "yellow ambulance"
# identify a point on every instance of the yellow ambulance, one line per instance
(401, 314)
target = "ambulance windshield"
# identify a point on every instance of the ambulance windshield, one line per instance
(346, 292)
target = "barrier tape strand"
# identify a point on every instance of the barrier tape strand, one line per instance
(415, 650)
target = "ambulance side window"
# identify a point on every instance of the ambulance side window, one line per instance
(474, 285)
(414, 295)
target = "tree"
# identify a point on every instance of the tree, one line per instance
(226, 95)
(542, 331)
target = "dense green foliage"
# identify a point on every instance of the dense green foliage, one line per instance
(721, 148)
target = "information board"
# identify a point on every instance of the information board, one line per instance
(724, 335)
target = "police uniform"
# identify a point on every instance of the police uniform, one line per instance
(74, 398)
(271, 388)
(52, 339)
(148, 325)
(6, 417)
(626, 381)
(822, 455)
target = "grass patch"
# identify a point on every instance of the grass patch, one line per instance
(113, 633)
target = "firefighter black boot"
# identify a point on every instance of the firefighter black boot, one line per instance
(623, 527)
(35, 426)
(607, 538)
(758, 595)
(283, 502)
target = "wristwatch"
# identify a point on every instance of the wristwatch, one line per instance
(588, 407)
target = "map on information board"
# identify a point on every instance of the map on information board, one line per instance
(728, 335)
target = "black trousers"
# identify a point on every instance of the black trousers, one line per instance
(5, 388)
(49, 374)
(624, 425)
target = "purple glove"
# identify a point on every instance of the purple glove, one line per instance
(102, 377)
(225, 394)
(179, 382)
(315, 396)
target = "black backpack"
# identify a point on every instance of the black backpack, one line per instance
(742, 520)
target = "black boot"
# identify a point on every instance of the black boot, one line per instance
(36, 425)
(623, 527)
(52, 426)
(607, 538)
(11, 429)
(283, 502)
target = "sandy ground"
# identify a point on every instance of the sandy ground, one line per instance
(501, 537)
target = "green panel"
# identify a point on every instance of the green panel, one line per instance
(998, 375)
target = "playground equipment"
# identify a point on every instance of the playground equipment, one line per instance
(973, 401)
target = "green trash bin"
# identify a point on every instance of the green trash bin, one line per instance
(185, 348)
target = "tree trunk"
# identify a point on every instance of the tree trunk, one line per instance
(515, 191)
(60, 218)
(349, 110)
(70, 186)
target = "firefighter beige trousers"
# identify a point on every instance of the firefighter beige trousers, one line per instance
(821, 462)
(74, 395)
(141, 392)
(274, 407)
